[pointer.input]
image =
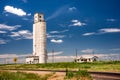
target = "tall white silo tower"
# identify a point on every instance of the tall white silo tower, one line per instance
(39, 37)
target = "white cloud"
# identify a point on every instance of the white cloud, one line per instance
(61, 58)
(23, 34)
(56, 41)
(77, 23)
(71, 58)
(8, 58)
(112, 20)
(103, 31)
(116, 49)
(25, 19)
(10, 28)
(3, 32)
(62, 25)
(55, 36)
(55, 53)
(29, 14)
(16, 11)
(88, 34)
(3, 41)
(6, 14)
(60, 11)
(54, 32)
(87, 51)
(109, 30)
(13, 55)
(72, 8)
(65, 30)
(25, 1)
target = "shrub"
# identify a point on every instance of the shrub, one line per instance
(69, 74)
(79, 75)
(83, 74)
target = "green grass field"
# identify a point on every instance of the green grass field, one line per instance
(4, 75)
(79, 75)
(109, 66)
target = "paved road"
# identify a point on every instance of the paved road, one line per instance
(95, 75)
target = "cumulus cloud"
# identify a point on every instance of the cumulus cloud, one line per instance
(10, 28)
(77, 23)
(72, 8)
(56, 41)
(23, 34)
(55, 53)
(88, 34)
(87, 51)
(3, 41)
(16, 11)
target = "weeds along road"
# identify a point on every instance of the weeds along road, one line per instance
(95, 75)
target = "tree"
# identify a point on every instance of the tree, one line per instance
(15, 60)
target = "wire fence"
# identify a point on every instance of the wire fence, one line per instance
(22, 60)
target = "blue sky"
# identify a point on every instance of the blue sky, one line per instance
(85, 25)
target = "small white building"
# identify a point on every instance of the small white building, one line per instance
(86, 59)
(32, 59)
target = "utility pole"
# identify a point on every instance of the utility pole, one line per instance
(4, 60)
(53, 56)
(93, 52)
(46, 55)
(76, 53)
(76, 56)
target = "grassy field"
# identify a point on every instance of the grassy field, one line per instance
(109, 66)
(79, 75)
(22, 76)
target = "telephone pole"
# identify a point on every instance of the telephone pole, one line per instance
(93, 52)
(76, 53)
(53, 56)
